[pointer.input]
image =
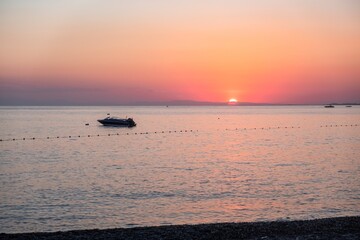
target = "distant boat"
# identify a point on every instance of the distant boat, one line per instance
(329, 106)
(348, 106)
(114, 121)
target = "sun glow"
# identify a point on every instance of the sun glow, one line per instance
(232, 100)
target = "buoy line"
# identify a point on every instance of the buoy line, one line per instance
(98, 135)
(260, 128)
(290, 127)
(170, 132)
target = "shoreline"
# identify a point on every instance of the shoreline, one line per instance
(326, 228)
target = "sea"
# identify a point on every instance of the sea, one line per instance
(62, 170)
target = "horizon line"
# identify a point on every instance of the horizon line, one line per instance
(180, 103)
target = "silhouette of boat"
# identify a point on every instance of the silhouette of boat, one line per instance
(329, 106)
(114, 121)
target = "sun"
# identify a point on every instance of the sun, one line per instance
(232, 100)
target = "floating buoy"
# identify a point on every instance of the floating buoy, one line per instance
(86, 124)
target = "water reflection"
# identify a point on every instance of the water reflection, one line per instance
(212, 175)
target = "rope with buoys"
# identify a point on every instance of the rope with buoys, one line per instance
(260, 128)
(171, 132)
(98, 135)
(290, 127)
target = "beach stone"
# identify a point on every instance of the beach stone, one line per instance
(332, 228)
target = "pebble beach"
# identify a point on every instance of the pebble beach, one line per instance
(329, 228)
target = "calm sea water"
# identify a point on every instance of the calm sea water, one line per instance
(290, 167)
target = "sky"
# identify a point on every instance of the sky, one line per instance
(107, 52)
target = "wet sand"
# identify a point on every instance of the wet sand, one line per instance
(329, 228)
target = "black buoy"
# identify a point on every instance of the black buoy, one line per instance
(86, 124)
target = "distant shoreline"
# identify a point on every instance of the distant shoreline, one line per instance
(183, 104)
(327, 228)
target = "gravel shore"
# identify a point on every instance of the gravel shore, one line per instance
(329, 228)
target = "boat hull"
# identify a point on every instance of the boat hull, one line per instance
(119, 123)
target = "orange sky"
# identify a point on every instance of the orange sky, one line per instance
(117, 52)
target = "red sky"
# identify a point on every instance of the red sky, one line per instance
(119, 52)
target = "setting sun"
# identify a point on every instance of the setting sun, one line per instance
(232, 100)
